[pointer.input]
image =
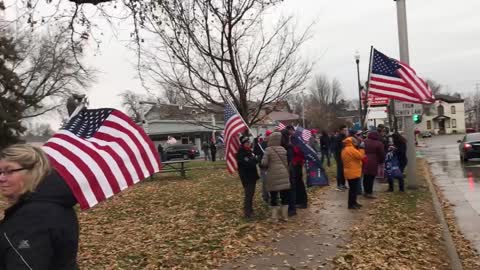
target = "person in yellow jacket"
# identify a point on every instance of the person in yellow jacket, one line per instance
(352, 169)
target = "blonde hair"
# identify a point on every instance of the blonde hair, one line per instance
(30, 157)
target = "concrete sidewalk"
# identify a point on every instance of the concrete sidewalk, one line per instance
(316, 242)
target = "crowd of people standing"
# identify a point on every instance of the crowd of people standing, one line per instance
(360, 157)
(281, 170)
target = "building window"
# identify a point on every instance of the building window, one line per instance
(452, 110)
(429, 124)
(454, 123)
(440, 110)
(447, 123)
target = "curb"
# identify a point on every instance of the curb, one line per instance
(455, 262)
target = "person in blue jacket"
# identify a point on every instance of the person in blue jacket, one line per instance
(393, 170)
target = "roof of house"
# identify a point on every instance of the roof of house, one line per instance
(448, 98)
(179, 112)
(347, 113)
(283, 116)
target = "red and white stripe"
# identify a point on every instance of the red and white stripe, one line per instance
(306, 135)
(280, 126)
(409, 87)
(118, 155)
(233, 127)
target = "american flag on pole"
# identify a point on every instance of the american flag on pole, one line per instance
(281, 126)
(101, 152)
(390, 78)
(234, 125)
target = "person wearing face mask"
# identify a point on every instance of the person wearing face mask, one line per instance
(40, 227)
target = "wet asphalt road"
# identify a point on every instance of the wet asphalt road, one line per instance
(459, 182)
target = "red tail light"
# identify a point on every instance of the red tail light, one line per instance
(467, 146)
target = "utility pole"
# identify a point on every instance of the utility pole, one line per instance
(409, 126)
(476, 99)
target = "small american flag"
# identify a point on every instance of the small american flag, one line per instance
(390, 78)
(234, 125)
(101, 152)
(306, 135)
(280, 126)
(220, 138)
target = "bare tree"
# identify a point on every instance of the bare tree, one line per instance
(45, 70)
(131, 102)
(48, 72)
(136, 104)
(436, 87)
(324, 102)
(39, 129)
(213, 49)
(172, 95)
(472, 109)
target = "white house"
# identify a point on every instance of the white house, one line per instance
(445, 116)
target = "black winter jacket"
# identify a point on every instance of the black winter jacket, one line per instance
(338, 145)
(247, 165)
(40, 231)
(287, 144)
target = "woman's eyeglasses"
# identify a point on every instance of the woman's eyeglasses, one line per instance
(10, 172)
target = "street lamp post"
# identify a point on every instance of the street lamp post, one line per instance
(357, 60)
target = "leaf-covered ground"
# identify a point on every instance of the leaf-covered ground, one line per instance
(172, 223)
(400, 232)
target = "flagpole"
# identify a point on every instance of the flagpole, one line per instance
(409, 125)
(367, 105)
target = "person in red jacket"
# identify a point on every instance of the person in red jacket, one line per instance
(298, 193)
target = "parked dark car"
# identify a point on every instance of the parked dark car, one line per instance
(470, 146)
(184, 151)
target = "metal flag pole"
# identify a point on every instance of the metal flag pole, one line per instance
(409, 125)
(367, 89)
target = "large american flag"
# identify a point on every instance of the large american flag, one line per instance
(234, 125)
(101, 152)
(390, 78)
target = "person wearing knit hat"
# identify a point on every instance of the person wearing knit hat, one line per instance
(247, 170)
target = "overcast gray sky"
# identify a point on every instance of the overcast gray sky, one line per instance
(444, 41)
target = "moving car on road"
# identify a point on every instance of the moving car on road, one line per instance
(184, 151)
(426, 134)
(469, 147)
